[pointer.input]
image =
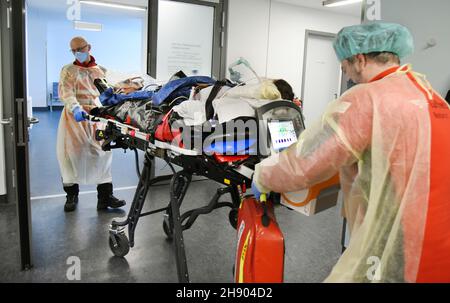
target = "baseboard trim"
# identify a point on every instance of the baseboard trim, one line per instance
(47, 108)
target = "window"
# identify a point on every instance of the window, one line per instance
(187, 35)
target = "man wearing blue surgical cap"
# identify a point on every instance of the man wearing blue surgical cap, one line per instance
(382, 43)
(388, 139)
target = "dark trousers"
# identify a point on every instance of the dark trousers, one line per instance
(104, 191)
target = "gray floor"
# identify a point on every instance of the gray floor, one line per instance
(44, 169)
(312, 243)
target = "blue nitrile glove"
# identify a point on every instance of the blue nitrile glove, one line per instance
(79, 114)
(256, 191)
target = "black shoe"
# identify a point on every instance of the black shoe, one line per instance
(72, 197)
(71, 203)
(106, 198)
(111, 202)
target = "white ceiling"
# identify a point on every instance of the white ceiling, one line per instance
(351, 9)
(61, 5)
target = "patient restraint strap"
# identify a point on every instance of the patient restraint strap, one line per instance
(209, 109)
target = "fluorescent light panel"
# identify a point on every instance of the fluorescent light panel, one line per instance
(114, 5)
(335, 3)
(87, 26)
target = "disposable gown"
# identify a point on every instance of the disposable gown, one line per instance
(389, 140)
(81, 158)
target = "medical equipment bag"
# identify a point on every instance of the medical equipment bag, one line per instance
(260, 244)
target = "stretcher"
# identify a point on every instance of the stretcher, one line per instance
(234, 171)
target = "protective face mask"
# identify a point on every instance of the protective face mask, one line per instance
(81, 57)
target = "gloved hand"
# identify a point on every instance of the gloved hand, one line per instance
(256, 191)
(79, 114)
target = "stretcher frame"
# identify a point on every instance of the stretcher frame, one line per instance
(236, 177)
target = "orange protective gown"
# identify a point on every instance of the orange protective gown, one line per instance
(80, 156)
(389, 140)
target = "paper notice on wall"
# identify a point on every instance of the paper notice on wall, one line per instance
(186, 57)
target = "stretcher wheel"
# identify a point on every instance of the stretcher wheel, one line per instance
(168, 230)
(123, 245)
(233, 217)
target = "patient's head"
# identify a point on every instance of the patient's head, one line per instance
(285, 89)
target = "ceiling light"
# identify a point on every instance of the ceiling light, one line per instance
(114, 5)
(334, 3)
(87, 26)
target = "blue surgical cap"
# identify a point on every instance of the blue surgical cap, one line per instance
(373, 37)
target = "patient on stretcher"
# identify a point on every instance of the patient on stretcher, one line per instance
(193, 102)
(188, 96)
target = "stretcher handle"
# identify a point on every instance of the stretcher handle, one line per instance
(90, 118)
(265, 217)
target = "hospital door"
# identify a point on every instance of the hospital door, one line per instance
(321, 76)
(14, 121)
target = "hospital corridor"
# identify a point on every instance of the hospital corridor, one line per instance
(224, 143)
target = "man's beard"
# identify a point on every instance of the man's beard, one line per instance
(358, 78)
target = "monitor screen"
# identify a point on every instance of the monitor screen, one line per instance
(282, 134)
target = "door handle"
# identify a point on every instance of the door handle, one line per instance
(33, 120)
(8, 17)
(6, 121)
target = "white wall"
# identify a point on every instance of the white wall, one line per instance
(118, 47)
(37, 36)
(426, 19)
(248, 32)
(271, 35)
(287, 38)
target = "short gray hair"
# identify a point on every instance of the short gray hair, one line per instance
(380, 58)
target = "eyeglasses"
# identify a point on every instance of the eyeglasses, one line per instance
(78, 49)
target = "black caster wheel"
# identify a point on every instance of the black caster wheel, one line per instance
(168, 230)
(123, 245)
(233, 217)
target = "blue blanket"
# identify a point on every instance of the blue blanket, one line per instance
(172, 90)
(110, 98)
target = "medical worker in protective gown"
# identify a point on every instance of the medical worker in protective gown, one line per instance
(388, 138)
(81, 158)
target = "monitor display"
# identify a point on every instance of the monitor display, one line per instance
(282, 134)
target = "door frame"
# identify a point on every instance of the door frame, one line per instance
(3, 128)
(220, 35)
(15, 106)
(7, 90)
(308, 34)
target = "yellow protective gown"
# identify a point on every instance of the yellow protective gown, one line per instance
(81, 158)
(389, 140)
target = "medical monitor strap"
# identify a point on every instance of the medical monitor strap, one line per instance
(209, 109)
